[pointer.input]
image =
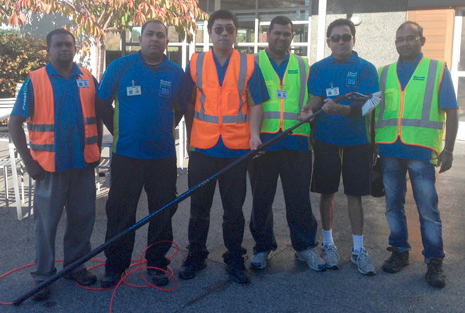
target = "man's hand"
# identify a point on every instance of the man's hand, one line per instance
(330, 106)
(445, 161)
(35, 170)
(305, 112)
(255, 142)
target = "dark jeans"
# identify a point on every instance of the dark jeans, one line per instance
(232, 186)
(295, 169)
(128, 177)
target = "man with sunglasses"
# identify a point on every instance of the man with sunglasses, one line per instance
(341, 140)
(419, 100)
(290, 158)
(223, 122)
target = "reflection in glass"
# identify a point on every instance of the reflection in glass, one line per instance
(265, 4)
(461, 65)
(461, 95)
(174, 54)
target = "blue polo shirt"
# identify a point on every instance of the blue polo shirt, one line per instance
(288, 142)
(256, 94)
(143, 121)
(69, 121)
(447, 100)
(352, 74)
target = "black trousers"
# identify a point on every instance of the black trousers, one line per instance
(232, 186)
(128, 177)
(295, 169)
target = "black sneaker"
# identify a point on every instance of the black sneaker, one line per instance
(159, 278)
(396, 261)
(191, 265)
(435, 276)
(236, 269)
(43, 294)
(82, 277)
(110, 279)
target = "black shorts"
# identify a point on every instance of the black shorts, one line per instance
(331, 160)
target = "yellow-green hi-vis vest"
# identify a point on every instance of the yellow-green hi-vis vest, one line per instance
(413, 115)
(279, 113)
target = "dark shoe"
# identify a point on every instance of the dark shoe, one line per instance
(42, 294)
(159, 278)
(110, 279)
(396, 261)
(191, 266)
(236, 269)
(435, 276)
(82, 277)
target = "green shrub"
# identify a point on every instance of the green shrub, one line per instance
(18, 56)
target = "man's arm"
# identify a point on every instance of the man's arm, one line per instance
(15, 127)
(313, 105)
(105, 111)
(256, 118)
(446, 156)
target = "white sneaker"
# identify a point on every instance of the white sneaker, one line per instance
(313, 259)
(258, 260)
(330, 256)
(364, 263)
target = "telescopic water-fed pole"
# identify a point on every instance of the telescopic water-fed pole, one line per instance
(354, 97)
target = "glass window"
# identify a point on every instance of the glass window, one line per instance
(301, 51)
(301, 33)
(199, 34)
(248, 50)
(175, 55)
(300, 15)
(236, 5)
(266, 4)
(246, 31)
(173, 35)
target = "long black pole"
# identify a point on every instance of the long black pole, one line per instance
(145, 220)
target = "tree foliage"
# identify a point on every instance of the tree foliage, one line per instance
(97, 17)
(20, 55)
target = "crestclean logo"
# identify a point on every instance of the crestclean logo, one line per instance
(292, 71)
(421, 78)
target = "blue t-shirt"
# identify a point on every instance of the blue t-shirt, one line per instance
(288, 142)
(256, 94)
(69, 121)
(447, 100)
(145, 101)
(352, 74)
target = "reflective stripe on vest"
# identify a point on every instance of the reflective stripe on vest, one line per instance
(41, 126)
(283, 113)
(227, 119)
(413, 115)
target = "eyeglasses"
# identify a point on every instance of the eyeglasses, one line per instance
(337, 38)
(220, 29)
(408, 39)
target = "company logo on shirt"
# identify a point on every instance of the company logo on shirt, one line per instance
(420, 78)
(351, 79)
(293, 71)
(165, 88)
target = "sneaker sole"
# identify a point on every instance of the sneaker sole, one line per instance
(393, 271)
(314, 269)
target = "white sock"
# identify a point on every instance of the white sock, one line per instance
(328, 237)
(358, 243)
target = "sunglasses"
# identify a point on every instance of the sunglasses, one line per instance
(220, 29)
(337, 38)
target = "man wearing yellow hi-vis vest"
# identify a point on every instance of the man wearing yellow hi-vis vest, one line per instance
(419, 100)
(286, 78)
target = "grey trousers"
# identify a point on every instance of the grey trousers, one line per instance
(73, 190)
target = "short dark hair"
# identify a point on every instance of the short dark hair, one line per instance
(155, 22)
(56, 32)
(281, 20)
(222, 14)
(420, 29)
(340, 22)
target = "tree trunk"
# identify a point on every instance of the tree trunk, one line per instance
(100, 58)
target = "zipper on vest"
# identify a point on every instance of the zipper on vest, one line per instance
(401, 112)
(220, 110)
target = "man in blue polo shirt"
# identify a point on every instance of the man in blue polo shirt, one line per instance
(341, 141)
(409, 133)
(223, 122)
(290, 158)
(58, 103)
(148, 92)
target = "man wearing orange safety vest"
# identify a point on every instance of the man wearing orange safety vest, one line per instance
(223, 123)
(58, 102)
(419, 100)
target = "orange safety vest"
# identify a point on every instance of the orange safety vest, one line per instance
(42, 125)
(221, 110)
